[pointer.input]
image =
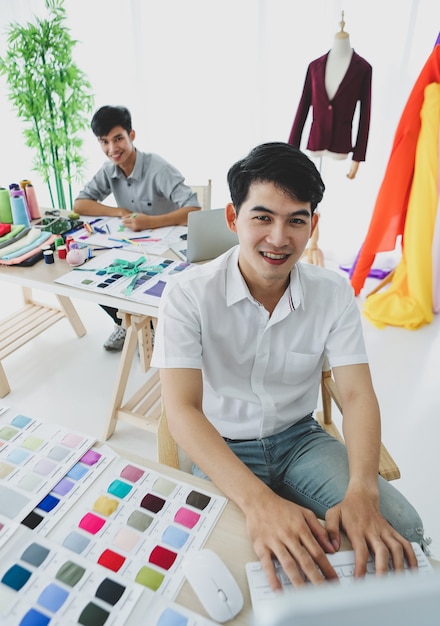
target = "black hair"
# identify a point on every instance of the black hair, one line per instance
(107, 117)
(283, 165)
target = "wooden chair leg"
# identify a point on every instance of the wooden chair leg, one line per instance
(388, 468)
(388, 278)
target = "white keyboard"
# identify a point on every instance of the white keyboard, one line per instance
(343, 563)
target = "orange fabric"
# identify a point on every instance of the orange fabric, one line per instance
(408, 300)
(389, 214)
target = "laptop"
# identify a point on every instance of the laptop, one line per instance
(208, 237)
(404, 599)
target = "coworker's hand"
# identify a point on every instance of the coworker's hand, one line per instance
(140, 221)
(368, 531)
(136, 221)
(293, 535)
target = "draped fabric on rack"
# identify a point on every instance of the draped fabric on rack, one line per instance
(408, 302)
(389, 214)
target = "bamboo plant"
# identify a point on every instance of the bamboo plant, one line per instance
(52, 96)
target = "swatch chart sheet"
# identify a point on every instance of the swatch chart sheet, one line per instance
(125, 274)
(141, 524)
(42, 583)
(87, 537)
(34, 457)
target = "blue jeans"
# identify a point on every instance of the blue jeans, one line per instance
(308, 466)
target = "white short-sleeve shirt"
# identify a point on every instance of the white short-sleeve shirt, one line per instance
(260, 374)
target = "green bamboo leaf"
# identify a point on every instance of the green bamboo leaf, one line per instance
(51, 95)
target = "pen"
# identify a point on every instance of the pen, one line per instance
(108, 229)
(118, 240)
(144, 237)
(108, 248)
(99, 230)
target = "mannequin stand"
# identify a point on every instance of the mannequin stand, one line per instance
(312, 252)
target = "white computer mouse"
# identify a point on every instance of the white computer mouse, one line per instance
(213, 584)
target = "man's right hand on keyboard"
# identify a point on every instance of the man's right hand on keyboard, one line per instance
(294, 536)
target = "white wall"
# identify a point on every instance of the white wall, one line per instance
(208, 80)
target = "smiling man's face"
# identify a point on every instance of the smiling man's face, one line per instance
(118, 146)
(273, 230)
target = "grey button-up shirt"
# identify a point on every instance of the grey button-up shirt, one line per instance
(154, 187)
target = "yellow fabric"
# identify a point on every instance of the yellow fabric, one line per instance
(408, 300)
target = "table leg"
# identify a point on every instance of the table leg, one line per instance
(72, 315)
(143, 408)
(127, 355)
(4, 385)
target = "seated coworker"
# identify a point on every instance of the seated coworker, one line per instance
(149, 192)
(240, 344)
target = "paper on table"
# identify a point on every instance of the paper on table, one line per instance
(94, 277)
(150, 241)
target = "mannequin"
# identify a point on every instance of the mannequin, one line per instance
(338, 61)
(335, 83)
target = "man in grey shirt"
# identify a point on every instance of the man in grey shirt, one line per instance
(149, 191)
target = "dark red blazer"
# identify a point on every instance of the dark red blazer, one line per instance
(332, 120)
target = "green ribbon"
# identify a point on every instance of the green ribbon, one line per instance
(128, 268)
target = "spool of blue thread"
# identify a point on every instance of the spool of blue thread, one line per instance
(15, 190)
(19, 212)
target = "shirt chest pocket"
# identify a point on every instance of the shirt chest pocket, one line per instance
(145, 206)
(299, 367)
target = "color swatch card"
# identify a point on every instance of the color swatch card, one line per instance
(140, 524)
(64, 495)
(125, 274)
(41, 583)
(34, 457)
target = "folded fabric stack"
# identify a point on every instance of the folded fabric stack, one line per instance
(19, 244)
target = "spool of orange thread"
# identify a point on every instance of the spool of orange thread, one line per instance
(31, 197)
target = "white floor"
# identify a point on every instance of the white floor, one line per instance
(60, 378)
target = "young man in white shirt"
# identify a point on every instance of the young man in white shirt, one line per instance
(149, 191)
(241, 343)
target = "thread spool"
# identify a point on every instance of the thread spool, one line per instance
(16, 191)
(5, 206)
(18, 209)
(32, 202)
(48, 257)
(69, 241)
(62, 252)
